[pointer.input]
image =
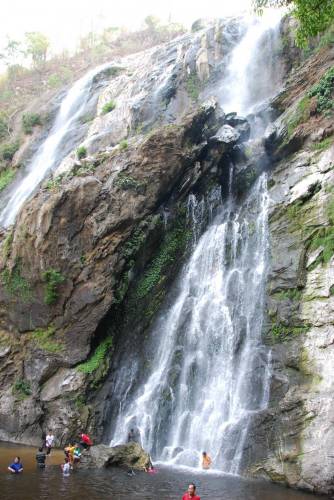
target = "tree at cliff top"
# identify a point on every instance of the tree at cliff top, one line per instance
(314, 16)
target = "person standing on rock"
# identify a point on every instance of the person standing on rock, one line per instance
(49, 441)
(191, 493)
(85, 441)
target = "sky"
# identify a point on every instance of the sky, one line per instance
(64, 21)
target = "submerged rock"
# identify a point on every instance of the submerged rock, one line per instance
(130, 455)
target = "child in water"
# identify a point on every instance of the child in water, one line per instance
(66, 467)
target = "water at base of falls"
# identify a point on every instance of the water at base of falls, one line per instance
(210, 372)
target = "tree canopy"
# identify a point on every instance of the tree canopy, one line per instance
(314, 16)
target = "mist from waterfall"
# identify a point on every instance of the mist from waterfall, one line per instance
(210, 373)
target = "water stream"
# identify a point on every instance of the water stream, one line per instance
(209, 372)
(63, 137)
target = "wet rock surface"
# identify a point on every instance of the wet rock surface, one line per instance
(130, 456)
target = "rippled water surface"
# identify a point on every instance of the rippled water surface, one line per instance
(167, 484)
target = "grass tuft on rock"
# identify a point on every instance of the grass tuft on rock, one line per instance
(109, 106)
(6, 177)
(53, 279)
(44, 339)
(93, 363)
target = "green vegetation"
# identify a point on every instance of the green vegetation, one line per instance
(324, 238)
(43, 339)
(53, 279)
(15, 284)
(123, 145)
(290, 293)
(301, 115)
(37, 46)
(29, 121)
(7, 245)
(8, 150)
(4, 131)
(6, 177)
(172, 246)
(109, 106)
(193, 86)
(114, 71)
(323, 91)
(281, 332)
(322, 145)
(21, 389)
(81, 152)
(126, 182)
(54, 183)
(313, 16)
(93, 363)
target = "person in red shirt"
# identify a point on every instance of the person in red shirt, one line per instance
(85, 441)
(191, 493)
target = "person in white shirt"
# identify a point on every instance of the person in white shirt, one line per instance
(49, 440)
(66, 467)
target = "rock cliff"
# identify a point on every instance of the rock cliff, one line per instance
(93, 252)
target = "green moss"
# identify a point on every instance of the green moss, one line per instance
(324, 238)
(173, 244)
(43, 340)
(123, 145)
(54, 183)
(53, 279)
(81, 152)
(290, 294)
(126, 182)
(7, 245)
(323, 91)
(93, 363)
(280, 332)
(301, 115)
(21, 389)
(15, 284)
(8, 150)
(29, 121)
(322, 145)
(193, 85)
(109, 106)
(6, 177)
(114, 71)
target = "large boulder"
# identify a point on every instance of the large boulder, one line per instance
(130, 455)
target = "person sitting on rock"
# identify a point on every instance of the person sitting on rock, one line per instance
(191, 493)
(40, 458)
(206, 461)
(85, 442)
(134, 436)
(16, 467)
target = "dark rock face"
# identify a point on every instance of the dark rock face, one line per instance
(130, 455)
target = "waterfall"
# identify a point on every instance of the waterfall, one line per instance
(53, 150)
(210, 373)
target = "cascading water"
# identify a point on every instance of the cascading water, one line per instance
(56, 146)
(209, 372)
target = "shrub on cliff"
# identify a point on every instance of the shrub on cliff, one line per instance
(109, 106)
(53, 279)
(29, 121)
(313, 16)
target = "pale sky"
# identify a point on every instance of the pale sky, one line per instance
(64, 21)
